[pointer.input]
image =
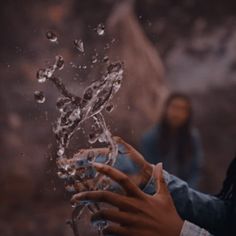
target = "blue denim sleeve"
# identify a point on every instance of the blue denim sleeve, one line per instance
(198, 158)
(204, 210)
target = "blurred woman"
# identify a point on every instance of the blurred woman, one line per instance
(174, 141)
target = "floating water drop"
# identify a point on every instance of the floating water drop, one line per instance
(62, 175)
(51, 36)
(79, 45)
(41, 76)
(114, 67)
(107, 46)
(70, 188)
(109, 107)
(39, 97)
(61, 102)
(60, 151)
(46, 73)
(90, 156)
(75, 115)
(59, 62)
(106, 59)
(88, 94)
(92, 138)
(94, 59)
(101, 29)
(71, 171)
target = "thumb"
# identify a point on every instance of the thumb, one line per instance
(160, 181)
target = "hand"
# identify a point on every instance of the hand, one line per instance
(128, 161)
(136, 213)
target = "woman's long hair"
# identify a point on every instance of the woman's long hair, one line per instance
(183, 134)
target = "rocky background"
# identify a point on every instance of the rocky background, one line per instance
(166, 45)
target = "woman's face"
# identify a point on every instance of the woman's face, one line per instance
(177, 112)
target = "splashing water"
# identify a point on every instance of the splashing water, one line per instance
(52, 37)
(100, 29)
(79, 45)
(39, 97)
(73, 111)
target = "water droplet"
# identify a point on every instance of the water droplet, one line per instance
(106, 59)
(74, 204)
(100, 224)
(62, 175)
(88, 94)
(73, 65)
(75, 115)
(79, 45)
(39, 97)
(59, 62)
(100, 29)
(114, 67)
(71, 170)
(41, 77)
(51, 36)
(101, 138)
(61, 102)
(94, 59)
(61, 151)
(92, 138)
(70, 188)
(107, 46)
(109, 107)
(90, 156)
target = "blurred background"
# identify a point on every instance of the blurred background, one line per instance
(166, 45)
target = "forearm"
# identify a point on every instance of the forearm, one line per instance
(204, 210)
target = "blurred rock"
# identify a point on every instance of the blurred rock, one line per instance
(144, 88)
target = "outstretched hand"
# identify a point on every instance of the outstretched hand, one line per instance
(129, 161)
(136, 213)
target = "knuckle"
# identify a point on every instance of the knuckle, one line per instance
(124, 179)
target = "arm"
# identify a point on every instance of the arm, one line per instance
(198, 157)
(207, 211)
(204, 210)
(139, 213)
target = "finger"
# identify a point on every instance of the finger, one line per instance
(116, 230)
(128, 147)
(116, 200)
(116, 216)
(160, 181)
(122, 179)
(94, 151)
(134, 155)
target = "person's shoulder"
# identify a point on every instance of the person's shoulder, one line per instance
(195, 134)
(151, 133)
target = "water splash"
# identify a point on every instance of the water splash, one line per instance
(39, 97)
(52, 37)
(79, 45)
(100, 29)
(78, 172)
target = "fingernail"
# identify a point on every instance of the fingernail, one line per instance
(158, 169)
(97, 165)
(75, 197)
(161, 166)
